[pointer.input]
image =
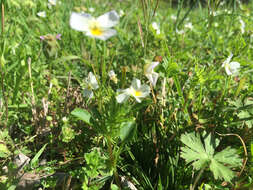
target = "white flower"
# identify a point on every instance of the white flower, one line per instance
(173, 17)
(242, 26)
(155, 26)
(95, 27)
(91, 9)
(231, 67)
(150, 74)
(179, 31)
(41, 14)
(113, 76)
(189, 26)
(51, 3)
(92, 84)
(136, 90)
(121, 13)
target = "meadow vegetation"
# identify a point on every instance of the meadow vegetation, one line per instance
(126, 94)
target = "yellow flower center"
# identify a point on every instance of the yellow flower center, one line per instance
(137, 93)
(95, 31)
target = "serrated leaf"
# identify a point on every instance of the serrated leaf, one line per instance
(195, 151)
(228, 156)
(220, 171)
(193, 142)
(199, 157)
(210, 144)
(82, 115)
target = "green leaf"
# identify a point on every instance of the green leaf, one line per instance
(220, 171)
(201, 157)
(127, 131)
(251, 150)
(195, 151)
(4, 151)
(82, 115)
(228, 156)
(114, 187)
(36, 157)
(12, 187)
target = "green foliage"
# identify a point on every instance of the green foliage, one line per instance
(82, 115)
(35, 160)
(127, 130)
(43, 77)
(203, 155)
(68, 133)
(5, 140)
(95, 167)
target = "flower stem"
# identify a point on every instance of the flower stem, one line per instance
(113, 163)
(197, 178)
(103, 68)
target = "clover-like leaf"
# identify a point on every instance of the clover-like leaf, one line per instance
(201, 156)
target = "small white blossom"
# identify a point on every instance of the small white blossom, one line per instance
(113, 76)
(92, 84)
(150, 74)
(121, 13)
(173, 17)
(41, 14)
(91, 9)
(51, 3)
(95, 27)
(242, 26)
(156, 27)
(232, 68)
(65, 119)
(136, 90)
(180, 31)
(189, 25)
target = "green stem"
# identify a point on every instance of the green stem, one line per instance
(103, 68)
(2, 14)
(197, 178)
(113, 162)
(227, 84)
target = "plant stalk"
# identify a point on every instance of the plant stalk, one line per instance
(2, 18)
(197, 178)
(115, 173)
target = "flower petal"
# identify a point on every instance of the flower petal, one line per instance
(137, 99)
(136, 84)
(92, 81)
(227, 61)
(87, 93)
(80, 21)
(152, 78)
(145, 90)
(108, 19)
(154, 64)
(122, 97)
(228, 70)
(234, 67)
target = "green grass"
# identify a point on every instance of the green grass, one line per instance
(42, 82)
